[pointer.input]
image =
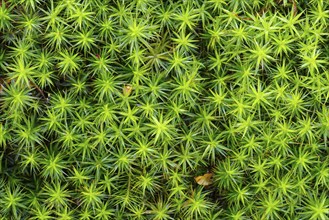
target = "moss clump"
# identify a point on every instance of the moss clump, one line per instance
(148, 109)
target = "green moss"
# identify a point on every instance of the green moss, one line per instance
(110, 109)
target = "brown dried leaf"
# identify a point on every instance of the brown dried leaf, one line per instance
(204, 180)
(294, 7)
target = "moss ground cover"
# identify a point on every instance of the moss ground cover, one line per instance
(154, 109)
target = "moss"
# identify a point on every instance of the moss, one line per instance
(161, 110)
